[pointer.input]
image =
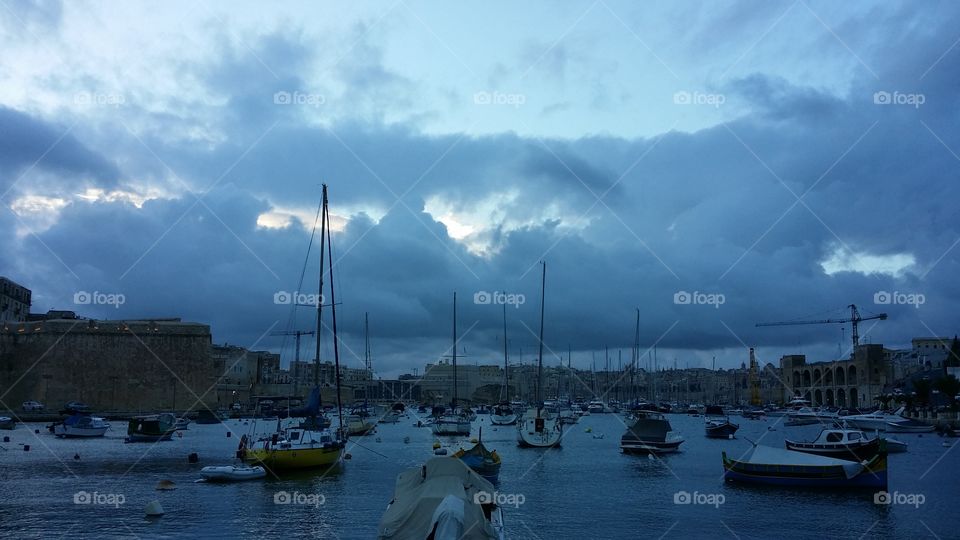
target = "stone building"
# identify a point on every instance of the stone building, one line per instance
(14, 301)
(128, 365)
(852, 382)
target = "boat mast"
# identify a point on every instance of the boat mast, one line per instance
(636, 356)
(323, 239)
(454, 403)
(506, 367)
(543, 292)
(333, 307)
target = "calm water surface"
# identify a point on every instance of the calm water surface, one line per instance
(586, 489)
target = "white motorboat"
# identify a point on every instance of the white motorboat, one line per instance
(886, 421)
(232, 473)
(7, 422)
(442, 499)
(81, 425)
(181, 423)
(596, 407)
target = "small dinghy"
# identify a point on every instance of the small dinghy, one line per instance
(231, 473)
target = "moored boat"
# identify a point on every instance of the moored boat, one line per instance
(454, 421)
(537, 428)
(7, 422)
(649, 433)
(232, 473)
(847, 444)
(886, 421)
(81, 426)
(151, 428)
(442, 499)
(777, 467)
(310, 444)
(484, 462)
(717, 425)
(503, 415)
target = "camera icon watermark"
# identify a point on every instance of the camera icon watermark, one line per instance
(297, 498)
(498, 298)
(899, 98)
(684, 298)
(97, 298)
(897, 298)
(697, 498)
(102, 499)
(99, 99)
(297, 298)
(684, 97)
(298, 98)
(500, 499)
(905, 499)
(499, 98)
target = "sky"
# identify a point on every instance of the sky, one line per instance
(707, 165)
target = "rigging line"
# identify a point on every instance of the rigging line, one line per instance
(292, 319)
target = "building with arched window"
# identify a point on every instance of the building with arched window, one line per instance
(852, 382)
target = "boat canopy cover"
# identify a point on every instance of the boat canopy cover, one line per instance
(439, 494)
(312, 408)
(650, 428)
(768, 455)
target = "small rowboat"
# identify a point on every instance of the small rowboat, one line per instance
(776, 467)
(231, 473)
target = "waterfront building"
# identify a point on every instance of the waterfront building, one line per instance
(14, 301)
(855, 382)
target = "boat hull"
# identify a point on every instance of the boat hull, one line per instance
(848, 451)
(451, 428)
(294, 458)
(144, 437)
(636, 446)
(721, 430)
(874, 474)
(78, 433)
(232, 474)
(538, 433)
(503, 420)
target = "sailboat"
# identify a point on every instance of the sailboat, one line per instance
(503, 414)
(538, 429)
(309, 444)
(453, 421)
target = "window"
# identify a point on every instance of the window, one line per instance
(834, 437)
(854, 436)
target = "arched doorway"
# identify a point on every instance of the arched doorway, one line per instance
(841, 398)
(818, 397)
(807, 396)
(829, 396)
(828, 377)
(806, 377)
(841, 379)
(853, 398)
(852, 375)
(796, 380)
(817, 380)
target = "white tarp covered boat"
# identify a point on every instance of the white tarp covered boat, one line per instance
(231, 473)
(444, 500)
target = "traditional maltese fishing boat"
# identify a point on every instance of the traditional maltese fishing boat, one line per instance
(484, 462)
(778, 467)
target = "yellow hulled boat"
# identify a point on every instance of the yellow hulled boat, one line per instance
(296, 448)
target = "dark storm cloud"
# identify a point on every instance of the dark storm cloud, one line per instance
(26, 141)
(714, 211)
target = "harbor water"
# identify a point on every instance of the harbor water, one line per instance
(98, 488)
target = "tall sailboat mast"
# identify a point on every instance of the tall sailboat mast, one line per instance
(333, 304)
(454, 403)
(506, 367)
(543, 293)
